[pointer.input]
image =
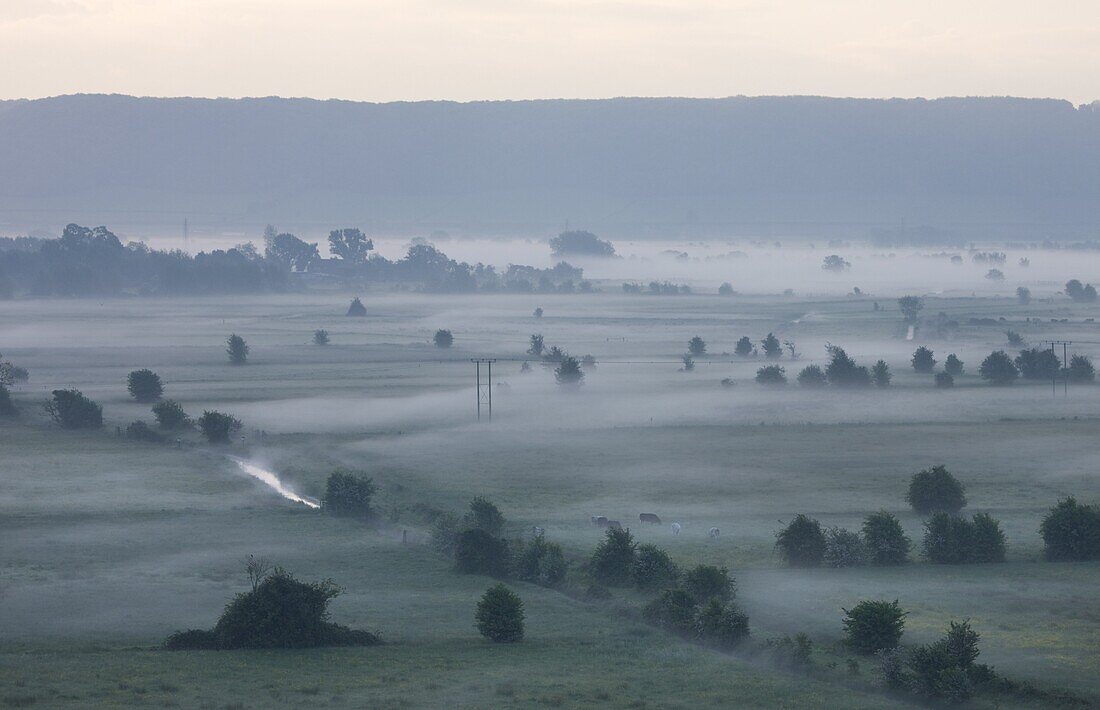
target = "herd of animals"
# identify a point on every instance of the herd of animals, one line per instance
(602, 521)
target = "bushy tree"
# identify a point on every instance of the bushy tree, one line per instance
(910, 307)
(1071, 531)
(989, 540)
(1014, 339)
(689, 363)
(1037, 364)
(538, 312)
(771, 375)
(144, 385)
(540, 562)
(872, 626)
(1080, 293)
(726, 289)
(483, 514)
(953, 365)
(653, 568)
(349, 494)
(836, 263)
(884, 540)
(218, 427)
(880, 374)
(140, 431)
(944, 380)
(613, 559)
(72, 410)
(697, 347)
(356, 309)
(1081, 369)
(812, 377)
(237, 350)
(802, 542)
(998, 369)
(721, 624)
(320, 337)
(672, 610)
(771, 346)
(170, 415)
(478, 552)
(443, 338)
(923, 360)
(844, 548)
(954, 540)
(944, 671)
(350, 244)
(499, 615)
(705, 582)
(537, 345)
(581, 242)
(569, 373)
(7, 407)
(842, 371)
(935, 489)
(744, 347)
(1023, 295)
(289, 250)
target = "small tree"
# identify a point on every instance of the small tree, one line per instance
(537, 345)
(910, 307)
(744, 347)
(873, 626)
(478, 552)
(568, 373)
(923, 360)
(1081, 369)
(144, 385)
(812, 377)
(484, 515)
(613, 559)
(653, 568)
(697, 347)
(844, 548)
(948, 539)
(217, 427)
(935, 489)
(170, 415)
(1038, 364)
(998, 369)
(356, 309)
(771, 375)
(842, 371)
(320, 337)
(7, 408)
(706, 582)
(1023, 295)
(722, 625)
(726, 289)
(689, 364)
(802, 542)
(348, 494)
(1071, 531)
(237, 350)
(538, 312)
(443, 338)
(944, 380)
(989, 539)
(673, 610)
(500, 615)
(540, 562)
(72, 410)
(771, 346)
(1014, 339)
(884, 540)
(880, 374)
(953, 365)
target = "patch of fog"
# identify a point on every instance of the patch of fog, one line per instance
(271, 480)
(909, 334)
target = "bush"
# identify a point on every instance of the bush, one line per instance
(540, 562)
(771, 375)
(989, 540)
(884, 540)
(998, 369)
(192, 640)
(1081, 369)
(356, 308)
(706, 582)
(944, 380)
(1080, 293)
(1071, 531)
(955, 540)
(697, 347)
(613, 559)
(744, 347)
(880, 374)
(500, 615)
(218, 427)
(802, 542)
(945, 670)
(7, 408)
(653, 568)
(872, 626)
(348, 495)
(484, 515)
(170, 415)
(144, 385)
(141, 431)
(842, 370)
(320, 337)
(844, 548)
(1014, 339)
(1038, 364)
(478, 552)
(935, 489)
(569, 373)
(673, 610)
(771, 346)
(580, 242)
(72, 410)
(953, 365)
(443, 338)
(923, 360)
(689, 363)
(722, 625)
(445, 529)
(812, 377)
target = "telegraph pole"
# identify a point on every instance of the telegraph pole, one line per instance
(1065, 366)
(484, 396)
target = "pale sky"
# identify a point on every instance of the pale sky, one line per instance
(387, 50)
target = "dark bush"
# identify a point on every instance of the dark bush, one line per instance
(844, 548)
(771, 346)
(569, 373)
(1038, 364)
(673, 610)
(320, 337)
(500, 615)
(935, 489)
(1081, 369)
(989, 540)
(478, 552)
(140, 431)
(144, 385)
(944, 380)
(955, 540)
(356, 308)
(706, 582)
(945, 671)
(953, 365)
(998, 369)
(923, 361)
(884, 540)
(72, 410)
(721, 624)
(842, 371)
(802, 542)
(880, 374)
(7, 408)
(812, 377)
(540, 562)
(1071, 531)
(744, 347)
(218, 427)
(697, 347)
(192, 640)
(771, 375)
(349, 494)
(443, 338)
(237, 350)
(872, 626)
(445, 529)
(484, 515)
(170, 415)
(653, 568)
(613, 559)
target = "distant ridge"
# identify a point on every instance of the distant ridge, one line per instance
(767, 166)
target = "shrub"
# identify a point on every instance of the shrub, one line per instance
(1071, 531)
(910, 307)
(141, 431)
(771, 346)
(538, 344)
(706, 582)
(998, 369)
(1081, 369)
(540, 562)
(569, 373)
(320, 337)
(218, 427)
(945, 670)
(988, 539)
(722, 625)
(944, 380)
(237, 350)
(1080, 293)
(7, 408)
(144, 385)
(953, 365)
(1038, 364)
(443, 338)
(478, 552)
(726, 289)
(445, 529)
(689, 363)
(697, 346)
(935, 489)
(842, 370)
(948, 539)
(72, 410)
(884, 540)
(613, 559)
(880, 374)
(923, 360)
(802, 542)
(170, 415)
(348, 494)
(499, 615)
(673, 610)
(771, 375)
(356, 308)
(844, 548)
(812, 377)
(653, 568)
(1023, 295)
(1014, 339)
(484, 515)
(872, 626)
(192, 640)
(744, 347)
(581, 242)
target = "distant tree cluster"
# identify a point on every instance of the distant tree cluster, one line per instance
(1080, 293)
(657, 288)
(580, 243)
(880, 542)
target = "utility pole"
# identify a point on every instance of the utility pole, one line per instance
(1064, 369)
(484, 396)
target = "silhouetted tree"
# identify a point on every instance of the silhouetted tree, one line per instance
(350, 244)
(613, 559)
(72, 410)
(689, 364)
(580, 242)
(884, 540)
(484, 515)
(1014, 338)
(478, 552)
(348, 494)
(569, 373)
(935, 489)
(144, 385)
(744, 347)
(1081, 369)
(320, 337)
(705, 582)
(998, 369)
(1079, 293)
(923, 360)
(944, 380)
(537, 345)
(653, 568)
(500, 615)
(443, 339)
(802, 542)
(880, 374)
(538, 312)
(842, 371)
(1038, 364)
(872, 626)
(289, 250)
(1071, 531)
(910, 307)
(1023, 295)
(217, 427)
(726, 289)
(237, 350)
(771, 375)
(697, 347)
(835, 263)
(771, 346)
(812, 377)
(170, 415)
(356, 309)
(953, 365)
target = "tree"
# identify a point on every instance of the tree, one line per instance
(499, 615)
(443, 338)
(569, 373)
(910, 307)
(350, 244)
(72, 410)
(540, 562)
(706, 582)
(1079, 293)
(998, 369)
(1014, 339)
(537, 345)
(953, 365)
(7, 408)
(812, 377)
(948, 539)
(348, 494)
(613, 559)
(880, 374)
(771, 375)
(721, 624)
(726, 289)
(320, 337)
(356, 309)
(217, 427)
(478, 552)
(289, 250)
(1071, 531)
(170, 415)
(835, 263)
(1081, 369)
(884, 540)
(934, 490)
(802, 542)
(771, 346)
(697, 347)
(944, 380)
(923, 360)
(844, 548)
(842, 370)
(673, 610)
(744, 347)
(582, 243)
(689, 363)
(1038, 364)
(237, 350)
(873, 626)
(995, 275)
(140, 431)
(484, 515)
(989, 539)
(144, 385)
(653, 568)
(1023, 295)
(538, 312)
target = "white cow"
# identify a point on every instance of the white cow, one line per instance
(713, 533)
(676, 528)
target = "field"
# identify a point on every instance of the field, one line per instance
(111, 544)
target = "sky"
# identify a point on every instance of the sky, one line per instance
(391, 50)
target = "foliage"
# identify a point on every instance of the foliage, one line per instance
(320, 337)
(949, 539)
(744, 347)
(884, 540)
(348, 494)
(144, 385)
(935, 489)
(842, 370)
(1038, 364)
(217, 427)
(689, 364)
(613, 559)
(880, 374)
(7, 408)
(537, 345)
(953, 365)
(835, 263)
(944, 380)
(478, 552)
(771, 375)
(1081, 369)
(540, 562)
(237, 349)
(872, 626)
(923, 360)
(1014, 338)
(356, 309)
(140, 431)
(1080, 293)
(569, 373)
(350, 245)
(726, 289)
(943, 671)
(500, 615)
(288, 250)
(444, 533)
(443, 338)
(812, 377)
(802, 542)
(910, 307)
(697, 347)
(998, 369)
(580, 242)
(484, 515)
(988, 539)
(844, 548)
(706, 582)
(170, 415)
(1071, 531)
(1023, 295)
(653, 568)
(72, 410)
(721, 624)
(672, 610)
(538, 312)
(771, 346)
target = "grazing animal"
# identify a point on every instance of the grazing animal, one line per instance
(676, 528)
(649, 518)
(537, 531)
(599, 521)
(614, 525)
(713, 533)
